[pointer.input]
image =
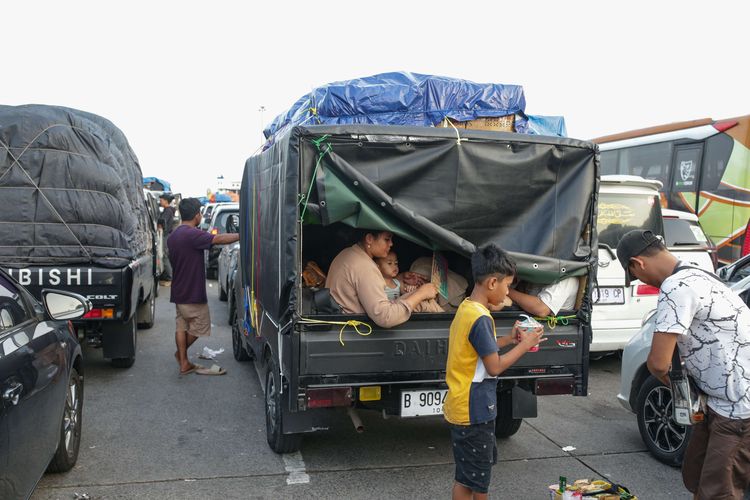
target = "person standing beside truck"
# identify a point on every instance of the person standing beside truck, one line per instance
(186, 246)
(166, 224)
(473, 366)
(710, 326)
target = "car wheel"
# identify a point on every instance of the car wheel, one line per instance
(69, 441)
(277, 440)
(665, 439)
(130, 360)
(505, 424)
(238, 349)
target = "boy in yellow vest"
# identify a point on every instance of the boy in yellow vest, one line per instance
(473, 366)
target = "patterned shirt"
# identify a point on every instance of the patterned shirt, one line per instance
(713, 324)
(472, 392)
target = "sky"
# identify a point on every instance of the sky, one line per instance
(186, 81)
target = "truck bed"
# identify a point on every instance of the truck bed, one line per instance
(420, 346)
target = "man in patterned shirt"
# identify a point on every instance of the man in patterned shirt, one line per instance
(710, 325)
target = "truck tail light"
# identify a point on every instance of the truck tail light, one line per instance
(642, 290)
(746, 243)
(100, 313)
(371, 393)
(325, 398)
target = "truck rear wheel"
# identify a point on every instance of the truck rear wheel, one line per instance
(277, 440)
(147, 311)
(505, 424)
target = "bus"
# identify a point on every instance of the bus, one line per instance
(704, 168)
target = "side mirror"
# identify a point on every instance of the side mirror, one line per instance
(723, 273)
(233, 223)
(65, 305)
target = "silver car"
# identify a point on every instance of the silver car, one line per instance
(649, 399)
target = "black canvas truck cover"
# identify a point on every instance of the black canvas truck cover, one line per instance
(71, 189)
(533, 196)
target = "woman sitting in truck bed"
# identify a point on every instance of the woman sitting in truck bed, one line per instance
(358, 286)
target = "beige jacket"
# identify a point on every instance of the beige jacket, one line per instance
(358, 287)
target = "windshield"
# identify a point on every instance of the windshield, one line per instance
(678, 232)
(620, 213)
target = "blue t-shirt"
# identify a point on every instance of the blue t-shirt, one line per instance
(186, 245)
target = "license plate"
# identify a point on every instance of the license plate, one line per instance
(608, 295)
(421, 403)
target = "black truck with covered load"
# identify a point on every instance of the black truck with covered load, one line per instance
(436, 190)
(76, 218)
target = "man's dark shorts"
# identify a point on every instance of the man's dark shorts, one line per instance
(717, 459)
(475, 452)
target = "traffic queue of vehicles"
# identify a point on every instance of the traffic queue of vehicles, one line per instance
(107, 278)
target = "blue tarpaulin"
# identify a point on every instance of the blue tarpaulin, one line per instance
(546, 125)
(400, 98)
(410, 99)
(153, 183)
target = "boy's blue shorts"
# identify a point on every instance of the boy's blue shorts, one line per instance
(475, 452)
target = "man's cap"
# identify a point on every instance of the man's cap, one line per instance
(632, 244)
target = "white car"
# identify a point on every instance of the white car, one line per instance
(629, 202)
(648, 398)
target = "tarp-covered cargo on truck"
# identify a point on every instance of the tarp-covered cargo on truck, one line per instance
(531, 195)
(71, 187)
(411, 99)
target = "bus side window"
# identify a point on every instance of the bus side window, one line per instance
(608, 161)
(718, 150)
(687, 161)
(651, 161)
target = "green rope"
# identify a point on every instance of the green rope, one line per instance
(305, 198)
(553, 321)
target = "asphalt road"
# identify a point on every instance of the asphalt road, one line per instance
(149, 433)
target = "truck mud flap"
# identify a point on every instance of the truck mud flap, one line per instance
(118, 339)
(524, 403)
(317, 419)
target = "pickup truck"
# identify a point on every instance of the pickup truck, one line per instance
(77, 219)
(534, 196)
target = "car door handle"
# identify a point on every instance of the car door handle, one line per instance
(12, 394)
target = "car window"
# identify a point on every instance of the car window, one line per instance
(680, 232)
(620, 213)
(222, 217)
(740, 273)
(12, 309)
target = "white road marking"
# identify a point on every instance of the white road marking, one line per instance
(295, 466)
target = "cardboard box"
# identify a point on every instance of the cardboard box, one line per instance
(494, 123)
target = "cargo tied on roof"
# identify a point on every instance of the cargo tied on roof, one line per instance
(72, 189)
(412, 99)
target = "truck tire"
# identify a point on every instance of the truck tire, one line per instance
(232, 316)
(505, 424)
(277, 440)
(69, 440)
(128, 361)
(147, 312)
(238, 348)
